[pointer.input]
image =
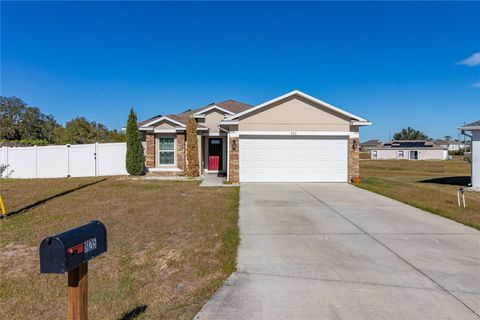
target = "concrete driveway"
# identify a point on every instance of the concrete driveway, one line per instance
(333, 251)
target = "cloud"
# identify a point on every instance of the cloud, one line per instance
(476, 85)
(473, 60)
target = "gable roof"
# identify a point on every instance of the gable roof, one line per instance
(411, 144)
(156, 119)
(212, 108)
(471, 126)
(447, 142)
(371, 143)
(305, 96)
(229, 106)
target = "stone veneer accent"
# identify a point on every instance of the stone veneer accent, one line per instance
(234, 165)
(150, 150)
(181, 163)
(353, 160)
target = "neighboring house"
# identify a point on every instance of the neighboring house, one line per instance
(474, 128)
(292, 138)
(370, 144)
(410, 150)
(451, 145)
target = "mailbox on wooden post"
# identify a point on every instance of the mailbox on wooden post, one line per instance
(70, 252)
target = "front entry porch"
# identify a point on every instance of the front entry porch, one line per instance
(214, 154)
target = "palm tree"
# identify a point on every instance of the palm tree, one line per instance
(410, 134)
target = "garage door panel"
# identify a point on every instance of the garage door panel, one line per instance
(293, 159)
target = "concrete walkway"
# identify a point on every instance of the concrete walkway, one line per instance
(333, 251)
(212, 180)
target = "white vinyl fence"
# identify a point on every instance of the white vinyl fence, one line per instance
(81, 160)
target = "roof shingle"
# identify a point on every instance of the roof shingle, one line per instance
(229, 105)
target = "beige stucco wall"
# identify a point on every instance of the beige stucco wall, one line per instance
(164, 125)
(211, 120)
(435, 154)
(294, 114)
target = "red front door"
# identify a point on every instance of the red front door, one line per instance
(215, 154)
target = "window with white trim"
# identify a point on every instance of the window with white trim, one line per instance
(400, 154)
(166, 150)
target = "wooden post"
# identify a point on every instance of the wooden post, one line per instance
(77, 308)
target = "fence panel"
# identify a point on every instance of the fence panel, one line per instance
(22, 161)
(111, 159)
(82, 160)
(52, 162)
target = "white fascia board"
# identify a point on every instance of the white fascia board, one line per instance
(199, 113)
(164, 130)
(145, 129)
(295, 133)
(173, 130)
(474, 128)
(161, 119)
(214, 134)
(228, 122)
(303, 95)
(360, 123)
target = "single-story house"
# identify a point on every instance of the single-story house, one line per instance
(451, 145)
(292, 138)
(370, 144)
(474, 128)
(409, 150)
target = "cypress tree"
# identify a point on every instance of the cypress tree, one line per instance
(192, 148)
(135, 159)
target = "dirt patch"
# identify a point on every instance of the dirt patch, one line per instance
(17, 259)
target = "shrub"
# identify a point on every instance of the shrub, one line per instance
(23, 143)
(4, 173)
(135, 159)
(192, 148)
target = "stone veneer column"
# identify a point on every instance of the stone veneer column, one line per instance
(150, 150)
(234, 165)
(353, 160)
(181, 151)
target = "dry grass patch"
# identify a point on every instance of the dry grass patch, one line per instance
(19, 193)
(171, 245)
(428, 185)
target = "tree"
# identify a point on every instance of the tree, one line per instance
(448, 137)
(79, 131)
(135, 159)
(192, 148)
(18, 121)
(410, 134)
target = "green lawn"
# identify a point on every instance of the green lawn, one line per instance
(171, 245)
(428, 185)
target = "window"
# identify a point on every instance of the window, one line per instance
(400, 154)
(374, 154)
(166, 148)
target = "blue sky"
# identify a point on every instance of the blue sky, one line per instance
(396, 64)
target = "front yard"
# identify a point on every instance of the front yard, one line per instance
(428, 185)
(171, 245)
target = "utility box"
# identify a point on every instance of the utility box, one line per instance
(68, 250)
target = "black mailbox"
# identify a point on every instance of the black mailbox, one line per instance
(67, 250)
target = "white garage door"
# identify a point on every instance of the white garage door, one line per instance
(293, 159)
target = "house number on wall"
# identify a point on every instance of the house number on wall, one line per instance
(293, 133)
